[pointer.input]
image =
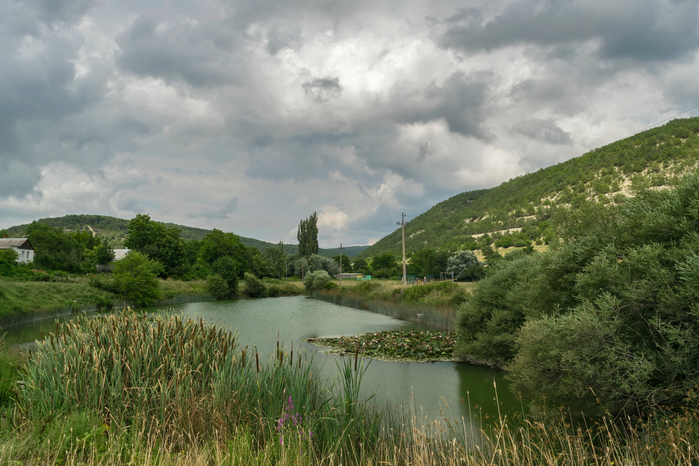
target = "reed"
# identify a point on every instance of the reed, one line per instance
(189, 382)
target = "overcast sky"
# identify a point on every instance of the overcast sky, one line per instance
(249, 115)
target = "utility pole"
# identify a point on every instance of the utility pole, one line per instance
(340, 264)
(402, 225)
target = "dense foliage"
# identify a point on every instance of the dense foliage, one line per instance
(607, 319)
(307, 234)
(136, 278)
(316, 280)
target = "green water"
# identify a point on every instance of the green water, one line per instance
(429, 390)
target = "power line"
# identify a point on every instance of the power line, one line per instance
(662, 121)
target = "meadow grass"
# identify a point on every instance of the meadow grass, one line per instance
(22, 301)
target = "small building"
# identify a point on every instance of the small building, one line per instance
(119, 254)
(348, 276)
(22, 246)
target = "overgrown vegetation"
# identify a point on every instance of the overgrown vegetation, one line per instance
(187, 382)
(187, 394)
(606, 320)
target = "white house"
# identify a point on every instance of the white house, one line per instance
(119, 254)
(22, 246)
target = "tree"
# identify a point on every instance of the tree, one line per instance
(465, 266)
(158, 242)
(346, 264)
(104, 254)
(217, 286)
(307, 235)
(385, 265)
(275, 258)
(218, 244)
(316, 262)
(361, 266)
(226, 267)
(136, 278)
(254, 288)
(55, 249)
(316, 280)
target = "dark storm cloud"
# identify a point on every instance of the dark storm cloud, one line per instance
(201, 54)
(228, 208)
(322, 89)
(543, 130)
(39, 86)
(461, 102)
(640, 30)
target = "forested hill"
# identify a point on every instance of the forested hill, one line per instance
(519, 208)
(114, 230)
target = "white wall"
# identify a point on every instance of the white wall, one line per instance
(24, 256)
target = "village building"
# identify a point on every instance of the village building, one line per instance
(22, 246)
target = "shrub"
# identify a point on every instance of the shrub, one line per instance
(463, 264)
(316, 280)
(273, 291)
(136, 278)
(217, 287)
(330, 286)
(254, 288)
(226, 268)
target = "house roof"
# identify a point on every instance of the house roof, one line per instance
(19, 243)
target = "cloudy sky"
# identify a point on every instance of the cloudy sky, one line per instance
(250, 115)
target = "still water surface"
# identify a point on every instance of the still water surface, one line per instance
(432, 390)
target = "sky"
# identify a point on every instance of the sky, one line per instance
(248, 116)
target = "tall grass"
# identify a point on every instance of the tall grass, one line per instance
(189, 382)
(433, 304)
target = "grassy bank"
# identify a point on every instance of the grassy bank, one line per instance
(187, 394)
(23, 301)
(433, 304)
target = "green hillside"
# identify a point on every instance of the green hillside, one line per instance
(114, 230)
(519, 208)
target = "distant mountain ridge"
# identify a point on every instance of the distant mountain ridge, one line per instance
(114, 230)
(653, 159)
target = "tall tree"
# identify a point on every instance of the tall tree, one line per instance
(158, 242)
(307, 235)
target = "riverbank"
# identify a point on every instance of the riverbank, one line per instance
(26, 301)
(434, 304)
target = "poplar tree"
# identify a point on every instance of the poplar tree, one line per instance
(307, 235)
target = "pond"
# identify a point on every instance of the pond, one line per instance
(428, 390)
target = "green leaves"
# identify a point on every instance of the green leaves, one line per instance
(403, 345)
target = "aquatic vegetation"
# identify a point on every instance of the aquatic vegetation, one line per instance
(432, 345)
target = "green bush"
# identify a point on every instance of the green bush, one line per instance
(227, 268)
(316, 280)
(330, 286)
(273, 291)
(136, 278)
(217, 287)
(254, 288)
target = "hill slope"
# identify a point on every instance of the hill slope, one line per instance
(651, 159)
(114, 230)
